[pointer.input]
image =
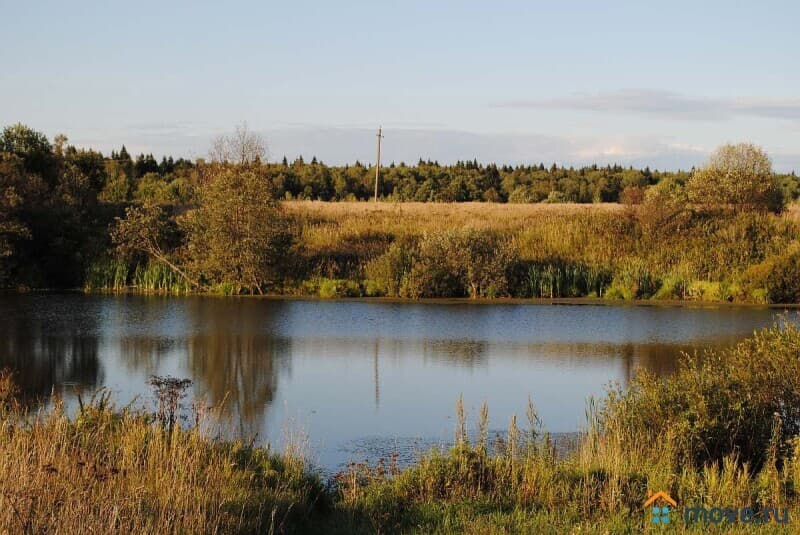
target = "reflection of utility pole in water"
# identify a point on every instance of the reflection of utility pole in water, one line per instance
(377, 381)
(378, 165)
(628, 356)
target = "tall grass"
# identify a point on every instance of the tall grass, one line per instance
(558, 250)
(106, 470)
(561, 279)
(107, 275)
(723, 431)
(114, 276)
(156, 277)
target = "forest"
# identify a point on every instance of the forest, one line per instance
(235, 223)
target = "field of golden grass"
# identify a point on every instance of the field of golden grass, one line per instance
(452, 213)
(363, 226)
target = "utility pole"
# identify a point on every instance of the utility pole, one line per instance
(378, 166)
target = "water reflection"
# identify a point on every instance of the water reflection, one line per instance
(352, 372)
(54, 354)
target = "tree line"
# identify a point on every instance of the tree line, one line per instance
(73, 217)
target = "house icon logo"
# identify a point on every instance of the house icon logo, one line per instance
(662, 504)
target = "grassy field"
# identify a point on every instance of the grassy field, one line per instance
(489, 250)
(542, 250)
(329, 223)
(723, 431)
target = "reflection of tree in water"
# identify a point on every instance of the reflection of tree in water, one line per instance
(657, 358)
(145, 353)
(233, 357)
(45, 358)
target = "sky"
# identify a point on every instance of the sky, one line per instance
(637, 83)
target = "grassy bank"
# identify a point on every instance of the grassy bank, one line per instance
(721, 432)
(487, 250)
(491, 250)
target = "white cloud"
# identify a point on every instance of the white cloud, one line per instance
(668, 104)
(348, 144)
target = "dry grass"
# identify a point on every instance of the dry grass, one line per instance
(438, 216)
(105, 471)
(365, 229)
(699, 255)
(792, 212)
(730, 439)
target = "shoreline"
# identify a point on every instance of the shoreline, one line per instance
(533, 301)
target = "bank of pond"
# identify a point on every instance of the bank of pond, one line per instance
(717, 436)
(488, 252)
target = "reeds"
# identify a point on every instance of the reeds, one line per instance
(106, 275)
(113, 275)
(107, 471)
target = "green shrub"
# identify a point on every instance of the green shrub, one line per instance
(718, 404)
(391, 271)
(335, 288)
(633, 280)
(467, 262)
(777, 278)
(704, 291)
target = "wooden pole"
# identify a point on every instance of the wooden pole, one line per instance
(378, 165)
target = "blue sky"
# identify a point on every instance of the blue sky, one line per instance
(641, 83)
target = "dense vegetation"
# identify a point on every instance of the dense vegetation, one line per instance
(74, 218)
(721, 432)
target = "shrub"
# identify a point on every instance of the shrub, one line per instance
(334, 288)
(631, 195)
(778, 278)
(739, 176)
(720, 403)
(633, 280)
(391, 271)
(460, 263)
(664, 210)
(556, 197)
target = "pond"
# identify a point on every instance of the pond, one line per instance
(358, 379)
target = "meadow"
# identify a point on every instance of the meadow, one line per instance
(490, 250)
(723, 431)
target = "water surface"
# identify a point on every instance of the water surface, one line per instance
(359, 378)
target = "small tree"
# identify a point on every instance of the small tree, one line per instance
(237, 236)
(241, 147)
(664, 209)
(169, 391)
(146, 230)
(737, 176)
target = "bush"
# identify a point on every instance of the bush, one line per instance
(391, 271)
(633, 280)
(777, 278)
(335, 288)
(741, 402)
(461, 263)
